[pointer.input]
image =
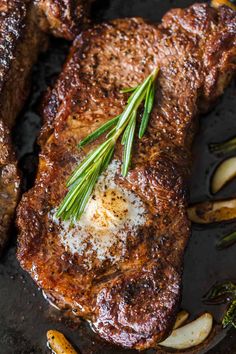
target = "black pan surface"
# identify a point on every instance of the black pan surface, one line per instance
(24, 314)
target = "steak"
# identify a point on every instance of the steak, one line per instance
(20, 41)
(22, 37)
(120, 266)
(9, 184)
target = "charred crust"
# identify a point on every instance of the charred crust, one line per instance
(9, 184)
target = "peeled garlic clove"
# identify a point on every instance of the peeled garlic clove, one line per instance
(190, 335)
(181, 318)
(209, 212)
(223, 174)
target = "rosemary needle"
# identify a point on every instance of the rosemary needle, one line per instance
(226, 241)
(223, 148)
(224, 292)
(84, 178)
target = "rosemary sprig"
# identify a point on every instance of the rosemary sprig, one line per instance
(229, 318)
(226, 241)
(101, 130)
(84, 178)
(220, 293)
(223, 148)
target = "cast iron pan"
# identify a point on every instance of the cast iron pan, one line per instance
(24, 314)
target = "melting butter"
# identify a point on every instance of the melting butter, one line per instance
(110, 214)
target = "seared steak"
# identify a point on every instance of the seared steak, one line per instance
(20, 40)
(120, 266)
(22, 25)
(9, 184)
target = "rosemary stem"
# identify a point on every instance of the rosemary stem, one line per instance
(84, 178)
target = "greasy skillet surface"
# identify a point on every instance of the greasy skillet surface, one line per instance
(25, 316)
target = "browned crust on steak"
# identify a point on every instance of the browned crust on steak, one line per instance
(64, 18)
(133, 300)
(20, 43)
(22, 37)
(9, 184)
